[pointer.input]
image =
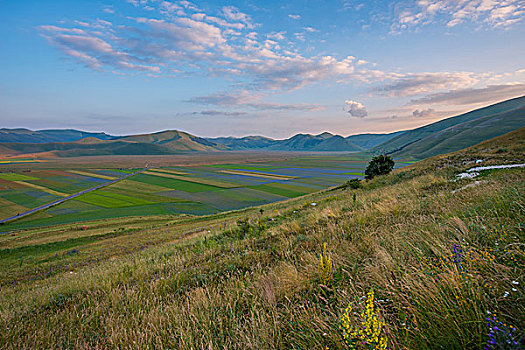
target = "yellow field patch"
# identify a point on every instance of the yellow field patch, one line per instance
(194, 180)
(42, 188)
(85, 173)
(3, 161)
(255, 174)
(171, 171)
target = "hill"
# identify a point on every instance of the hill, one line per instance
(457, 132)
(22, 135)
(85, 148)
(244, 143)
(367, 141)
(176, 141)
(322, 142)
(426, 256)
(300, 142)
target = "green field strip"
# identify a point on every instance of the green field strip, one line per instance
(73, 205)
(16, 177)
(103, 201)
(125, 171)
(193, 179)
(174, 183)
(130, 199)
(170, 171)
(148, 197)
(353, 173)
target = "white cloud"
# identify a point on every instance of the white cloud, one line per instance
(232, 13)
(355, 109)
(490, 93)
(249, 99)
(491, 13)
(183, 39)
(310, 29)
(424, 113)
(294, 16)
(420, 83)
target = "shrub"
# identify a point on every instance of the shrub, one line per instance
(245, 228)
(379, 165)
(353, 184)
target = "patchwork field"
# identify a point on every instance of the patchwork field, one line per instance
(197, 189)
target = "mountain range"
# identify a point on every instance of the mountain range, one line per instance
(444, 136)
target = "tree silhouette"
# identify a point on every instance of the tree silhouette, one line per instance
(379, 165)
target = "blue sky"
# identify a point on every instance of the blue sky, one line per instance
(217, 68)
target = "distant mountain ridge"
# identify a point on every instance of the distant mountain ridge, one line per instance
(444, 136)
(300, 142)
(48, 135)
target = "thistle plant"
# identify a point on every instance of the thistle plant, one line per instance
(325, 267)
(370, 334)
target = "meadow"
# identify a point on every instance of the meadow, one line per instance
(415, 259)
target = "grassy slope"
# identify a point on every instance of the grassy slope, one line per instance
(426, 137)
(221, 289)
(466, 134)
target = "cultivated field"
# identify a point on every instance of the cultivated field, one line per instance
(198, 189)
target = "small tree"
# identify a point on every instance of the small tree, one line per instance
(379, 165)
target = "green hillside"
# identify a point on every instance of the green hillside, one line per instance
(322, 142)
(44, 136)
(176, 141)
(82, 148)
(367, 141)
(458, 132)
(440, 255)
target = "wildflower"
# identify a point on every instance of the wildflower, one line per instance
(457, 257)
(499, 335)
(370, 333)
(325, 267)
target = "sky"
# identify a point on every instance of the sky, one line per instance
(273, 68)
